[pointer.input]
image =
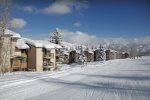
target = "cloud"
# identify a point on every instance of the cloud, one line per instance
(77, 24)
(59, 7)
(79, 6)
(84, 38)
(78, 37)
(65, 6)
(29, 8)
(17, 23)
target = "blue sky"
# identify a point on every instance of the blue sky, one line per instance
(92, 17)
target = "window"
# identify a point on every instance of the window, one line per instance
(24, 60)
(23, 51)
(46, 52)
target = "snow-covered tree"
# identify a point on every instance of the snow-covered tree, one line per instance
(56, 37)
(87, 48)
(101, 53)
(82, 57)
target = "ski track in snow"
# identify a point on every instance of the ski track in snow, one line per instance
(123, 79)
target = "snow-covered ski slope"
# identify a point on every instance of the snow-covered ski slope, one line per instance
(123, 79)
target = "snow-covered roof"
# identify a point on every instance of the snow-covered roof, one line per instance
(123, 52)
(91, 51)
(21, 44)
(12, 33)
(112, 50)
(66, 53)
(49, 45)
(105, 49)
(95, 49)
(42, 43)
(35, 43)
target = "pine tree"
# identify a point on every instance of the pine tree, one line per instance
(56, 37)
(82, 57)
(87, 48)
(101, 53)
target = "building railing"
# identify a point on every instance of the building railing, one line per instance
(16, 54)
(47, 55)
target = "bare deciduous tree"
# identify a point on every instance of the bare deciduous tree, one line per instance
(4, 41)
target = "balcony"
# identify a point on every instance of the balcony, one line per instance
(47, 65)
(16, 54)
(47, 56)
(24, 55)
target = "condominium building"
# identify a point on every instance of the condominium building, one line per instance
(28, 54)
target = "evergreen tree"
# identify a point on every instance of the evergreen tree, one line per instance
(101, 53)
(56, 37)
(82, 57)
(87, 48)
(92, 47)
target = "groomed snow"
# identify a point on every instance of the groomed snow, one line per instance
(123, 79)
